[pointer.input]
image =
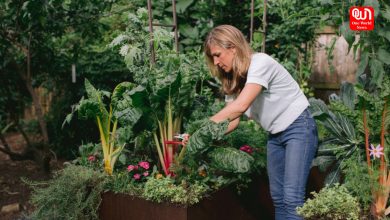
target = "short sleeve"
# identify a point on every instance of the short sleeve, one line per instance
(261, 70)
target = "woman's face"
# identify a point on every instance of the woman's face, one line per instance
(222, 57)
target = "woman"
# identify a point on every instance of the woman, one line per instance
(257, 85)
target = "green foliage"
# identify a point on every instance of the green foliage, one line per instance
(196, 17)
(343, 151)
(357, 179)
(231, 160)
(247, 133)
(172, 75)
(340, 121)
(120, 108)
(165, 190)
(331, 203)
(74, 193)
(202, 138)
(121, 182)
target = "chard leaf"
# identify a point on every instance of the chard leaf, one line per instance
(201, 139)
(119, 91)
(88, 109)
(128, 116)
(231, 160)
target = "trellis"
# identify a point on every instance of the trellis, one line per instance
(151, 25)
(174, 26)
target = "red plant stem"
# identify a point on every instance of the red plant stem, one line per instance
(168, 157)
(366, 135)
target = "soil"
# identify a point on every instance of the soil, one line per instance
(12, 188)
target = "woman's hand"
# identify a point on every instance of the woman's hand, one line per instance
(185, 139)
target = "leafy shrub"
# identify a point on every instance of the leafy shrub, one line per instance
(163, 189)
(74, 193)
(331, 203)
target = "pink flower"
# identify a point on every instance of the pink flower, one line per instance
(376, 151)
(91, 158)
(137, 176)
(247, 149)
(144, 164)
(146, 173)
(131, 168)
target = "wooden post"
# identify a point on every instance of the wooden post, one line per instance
(251, 25)
(151, 43)
(264, 26)
(175, 25)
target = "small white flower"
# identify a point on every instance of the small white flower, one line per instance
(376, 152)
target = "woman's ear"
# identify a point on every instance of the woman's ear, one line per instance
(234, 50)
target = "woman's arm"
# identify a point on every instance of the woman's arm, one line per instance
(237, 107)
(232, 124)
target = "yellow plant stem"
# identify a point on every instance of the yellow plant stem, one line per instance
(160, 153)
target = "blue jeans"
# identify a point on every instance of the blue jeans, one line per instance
(289, 157)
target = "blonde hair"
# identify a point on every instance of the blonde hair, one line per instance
(227, 36)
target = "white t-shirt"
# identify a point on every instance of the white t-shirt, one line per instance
(281, 100)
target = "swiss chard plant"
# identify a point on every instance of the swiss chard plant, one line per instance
(224, 158)
(165, 87)
(93, 107)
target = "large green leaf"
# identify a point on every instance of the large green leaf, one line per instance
(92, 93)
(348, 95)
(139, 97)
(164, 88)
(119, 91)
(318, 108)
(96, 96)
(88, 109)
(128, 116)
(231, 160)
(341, 128)
(362, 64)
(202, 138)
(384, 56)
(377, 71)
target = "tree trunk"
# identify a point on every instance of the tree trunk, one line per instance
(45, 155)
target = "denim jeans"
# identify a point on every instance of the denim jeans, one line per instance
(289, 157)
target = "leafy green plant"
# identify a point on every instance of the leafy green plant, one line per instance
(375, 107)
(343, 139)
(163, 189)
(73, 193)
(166, 87)
(358, 130)
(167, 147)
(225, 158)
(107, 120)
(331, 203)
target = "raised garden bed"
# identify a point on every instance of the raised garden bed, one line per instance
(224, 204)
